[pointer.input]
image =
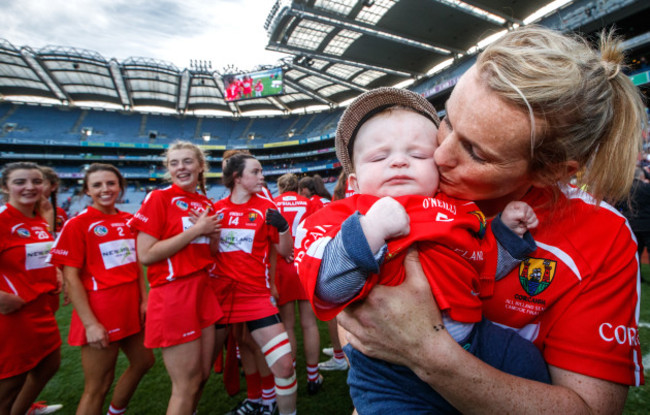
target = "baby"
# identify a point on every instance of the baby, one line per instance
(385, 141)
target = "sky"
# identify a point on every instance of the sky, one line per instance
(225, 32)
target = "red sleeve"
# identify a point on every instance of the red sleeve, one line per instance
(597, 334)
(70, 247)
(151, 215)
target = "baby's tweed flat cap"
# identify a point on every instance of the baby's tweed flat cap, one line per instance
(370, 103)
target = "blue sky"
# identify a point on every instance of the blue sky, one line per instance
(226, 32)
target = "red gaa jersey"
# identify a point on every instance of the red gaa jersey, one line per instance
(24, 246)
(318, 201)
(457, 254)
(577, 296)
(349, 191)
(295, 209)
(245, 241)
(101, 246)
(165, 213)
(61, 218)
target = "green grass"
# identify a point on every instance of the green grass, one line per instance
(154, 389)
(153, 392)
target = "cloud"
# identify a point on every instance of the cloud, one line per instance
(224, 31)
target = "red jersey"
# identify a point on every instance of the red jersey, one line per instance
(245, 241)
(349, 191)
(24, 246)
(247, 84)
(102, 246)
(61, 218)
(319, 202)
(577, 297)
(165, 213)
(457, 254)
(294, 208)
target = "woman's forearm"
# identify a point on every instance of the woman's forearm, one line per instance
(152, 250)
(285, 245)
(78, 296)
(474, 387)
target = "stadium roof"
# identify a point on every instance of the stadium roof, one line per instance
(338, 49)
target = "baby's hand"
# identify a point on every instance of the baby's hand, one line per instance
(388, 219)
(519, 217)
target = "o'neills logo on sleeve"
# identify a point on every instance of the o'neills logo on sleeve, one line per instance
(536, 274)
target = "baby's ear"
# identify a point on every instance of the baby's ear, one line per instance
(354, 182)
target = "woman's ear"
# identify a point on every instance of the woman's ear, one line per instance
(354, 182)
(560, 173)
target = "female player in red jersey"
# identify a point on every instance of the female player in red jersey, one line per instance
(31, 344)
(296, 208)
(313, 188)
(176, 231)
(250, 225)
(536, 108)
(106, 285)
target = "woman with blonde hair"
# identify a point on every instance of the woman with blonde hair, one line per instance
(177, 235)
(537, 107)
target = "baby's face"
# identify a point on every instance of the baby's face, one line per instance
(393, 155)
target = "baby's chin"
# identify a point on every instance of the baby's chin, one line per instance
(406, 192)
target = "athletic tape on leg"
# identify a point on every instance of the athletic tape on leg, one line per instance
(286, 386)
(276, 348)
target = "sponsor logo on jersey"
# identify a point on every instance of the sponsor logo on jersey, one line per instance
(220, 216)
(202, 239)
(182, 205)
(252, 216)
(118, 253)
(36, 254)
(234, 239)
(59, 222)
(23, 233)
(482, 223)
(100, 230)
(536, 274)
